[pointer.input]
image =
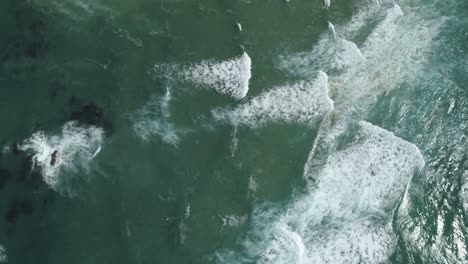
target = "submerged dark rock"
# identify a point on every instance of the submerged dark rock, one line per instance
(53, 159)
(15, 148)
(36, 39)
(5, 177)
(18, 208)
(88, 113)
(56, 88)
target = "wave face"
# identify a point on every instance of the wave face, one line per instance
(345, 217)
(302, 102)
(229, 77)
(66, 153)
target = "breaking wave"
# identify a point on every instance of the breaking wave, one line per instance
(394, 51)
(229, 77)
(345, 217)
(66, 153)
(301, 102)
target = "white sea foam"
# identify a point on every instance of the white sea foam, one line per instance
(301, 102)
(75, 147)
(393, 52)
(152, 119)
(464, 191)
(229, 77)
(332, 28)
(3, 255)
(370, 12)
(232, 220)
(327, 3)
(331, 53)
(346, 215)
(239, 26)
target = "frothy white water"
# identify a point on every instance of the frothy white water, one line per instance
(393, 52)
(346, 215)
(232, 220)
(301, 102)
(3, 255)
(230, 77)
(464, 192)
(332, 28)
(152, 120)
(370, 12)
(327, 3)
(331, 54)
(74, 147)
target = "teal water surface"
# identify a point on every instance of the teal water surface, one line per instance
(216, 131)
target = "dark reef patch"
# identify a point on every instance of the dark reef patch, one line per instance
(18, 208)
(88, 114)
(5, 177)
(55, 90)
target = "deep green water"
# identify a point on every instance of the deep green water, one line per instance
(169, 161)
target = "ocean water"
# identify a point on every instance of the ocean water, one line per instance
(234, 131)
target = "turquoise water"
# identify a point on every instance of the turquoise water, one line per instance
(190, 131)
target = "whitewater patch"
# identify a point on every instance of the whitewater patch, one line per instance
(464, 191)
(345, 217)
(394, 51)
(153, 120)
(301, 102)
(230, 77)
(66, 153)
(331, 54)
(3, 255)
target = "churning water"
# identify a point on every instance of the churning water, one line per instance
(216, 131)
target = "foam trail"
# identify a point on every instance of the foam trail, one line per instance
(230, 77)
(234, 143)
(3, 255)
(345, 217)
(302, 102)
(70, 151)
(152, 120)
